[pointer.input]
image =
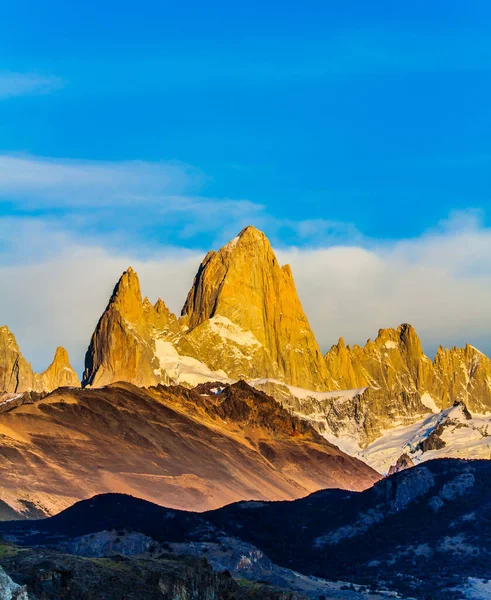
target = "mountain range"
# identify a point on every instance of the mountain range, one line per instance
(242, 320)
(269, 458)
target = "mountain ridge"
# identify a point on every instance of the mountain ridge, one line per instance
(194, 449)
(242, 319)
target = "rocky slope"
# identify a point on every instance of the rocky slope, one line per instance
(49, 575)
(389, 384)
(187, 449)
(424, 531)
(170, 539)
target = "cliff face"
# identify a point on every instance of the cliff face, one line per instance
(462, 374)
(50, 574)
(245, 316)
(121, 348)
(403, 384)
(16, 374)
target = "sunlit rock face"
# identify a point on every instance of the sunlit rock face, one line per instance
(242, 320)
(403, 384)
(121, 348)
(17, 376)
(243, 301)
(60, 373)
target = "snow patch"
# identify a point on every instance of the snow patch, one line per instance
(227, 330)
(463, 439)
(390, 345)
(184, 369)
(303, 394)
(427, 400)
(232, 243)
(477, 589)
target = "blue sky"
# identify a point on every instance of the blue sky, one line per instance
(148, 128)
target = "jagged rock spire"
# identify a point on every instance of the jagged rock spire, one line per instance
(244, 284)
(121, 346)
(60, 372)
(16, 374)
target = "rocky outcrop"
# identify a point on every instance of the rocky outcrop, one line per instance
(9, 590)
(393, 361)
(60, 373)
(16, 374)
(462, 375)
(403, 383)
(50, 574)
(121, 348)
(245, 317)
(403, 462)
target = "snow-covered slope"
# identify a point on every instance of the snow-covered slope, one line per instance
(184, 370)
(452, 433)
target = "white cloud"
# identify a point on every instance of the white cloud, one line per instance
(45, 182)
(19, 84)
(58, 296)
(144, 203)
(439, 282)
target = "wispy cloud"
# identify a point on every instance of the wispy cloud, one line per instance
(19, 84)
(440, 282)
(41, 182)
(149, 202)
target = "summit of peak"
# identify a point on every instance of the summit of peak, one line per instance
(127, 294)
(249, 236)
(245, 283)
(406, 328)
(61, 355)
(160, 304)
(387, 334)
(59, 373)
(251, 231)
